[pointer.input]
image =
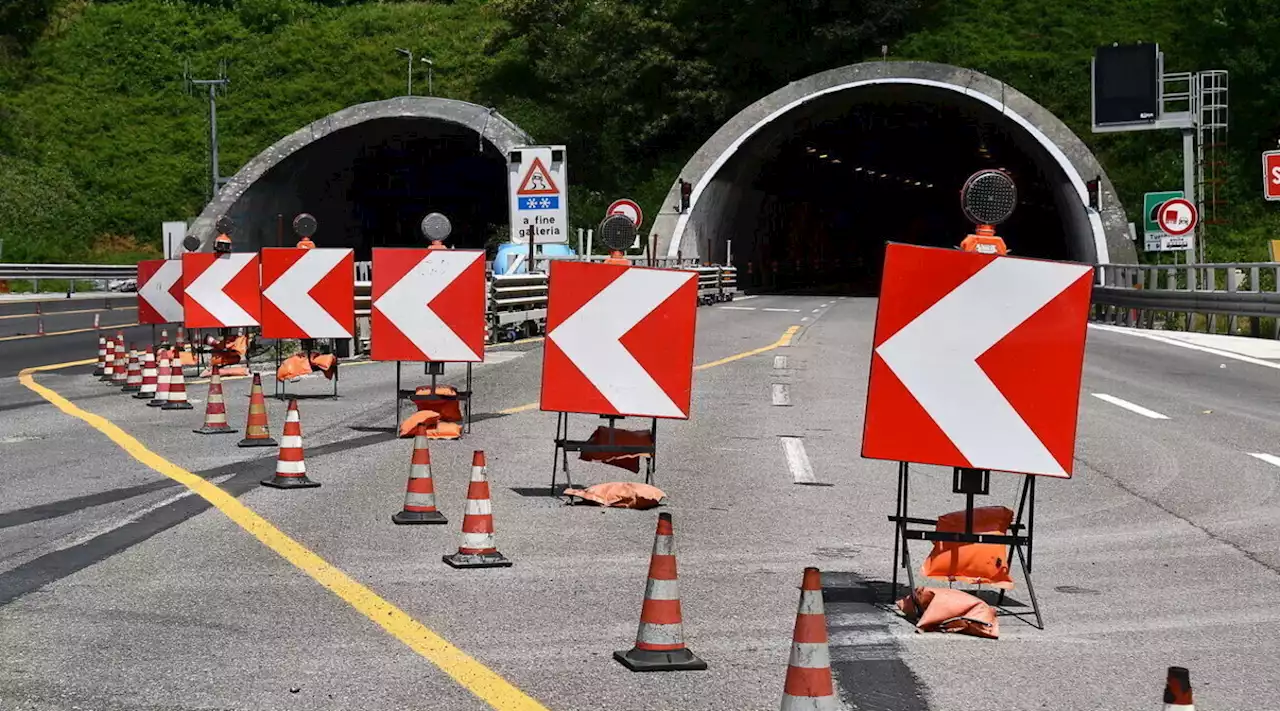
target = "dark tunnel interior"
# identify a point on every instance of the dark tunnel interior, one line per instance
(811, 199)
(371, 185)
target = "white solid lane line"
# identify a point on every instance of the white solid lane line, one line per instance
(783, 311)
(1130, 406)
(1268, 458)
(740, 308)
(798, 460)
(1183, 344)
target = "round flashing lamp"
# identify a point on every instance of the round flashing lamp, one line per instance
(437, 228)
(987, 199)
(304, 225)
(616, 233)
(222, 243)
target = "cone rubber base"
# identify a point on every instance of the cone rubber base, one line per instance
(157, 403)
(143, 396)
(290, 482)
(266, 442)
(642, 660)
(470, 560)
(215, 430)
(176, 406)
(131, 389)
(407, 517)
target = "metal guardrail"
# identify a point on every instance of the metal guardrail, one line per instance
(68, 271)
(1132, 294)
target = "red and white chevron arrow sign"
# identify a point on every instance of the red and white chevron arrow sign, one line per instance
(308, 293)
(619, 340)
(428, 305)
(977, 361)
(220, 290)
(160, 291)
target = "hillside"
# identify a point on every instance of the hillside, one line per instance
(99, 143)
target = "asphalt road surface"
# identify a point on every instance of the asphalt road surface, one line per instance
(122, 589)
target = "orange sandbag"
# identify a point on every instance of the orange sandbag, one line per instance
(295, 366)
(445, 430)
(440, 391)
(947, 610)
(421, 418)
(621, 495)
(450, 409)
(980, 563)
(628, 461)
(226, 371)
(325, 363)
(186, 357)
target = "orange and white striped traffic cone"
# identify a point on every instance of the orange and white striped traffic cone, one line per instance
(164, 338)
(96, 324)
(291, 467)
(120, 373)
(102, 356)
(109, 362)
(1177, 690)
(478, 548)
(133, 376)
(162, 381)
(147, 389)
(660, 638)
(40, 325)
(215, 410)
(177, 386)
(420, 492)
(809, 686)
(256, 428)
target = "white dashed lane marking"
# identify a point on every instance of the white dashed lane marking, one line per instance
(798, 460)
(1131, 407)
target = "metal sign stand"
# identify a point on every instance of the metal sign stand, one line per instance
(307, 345)
(970, 482)
(564, 445)
(435, 369)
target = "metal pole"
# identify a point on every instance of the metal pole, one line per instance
(531, 247)
(411, 74)
(589, 244)
(1189, 187)
(213, 141)
(728, 253)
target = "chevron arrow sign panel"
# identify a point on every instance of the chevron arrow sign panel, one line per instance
(160, 291)
(976, 361)
(428, 305)
(221, 290)
(308, 293)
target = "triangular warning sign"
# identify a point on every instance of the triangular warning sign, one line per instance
(538, 181)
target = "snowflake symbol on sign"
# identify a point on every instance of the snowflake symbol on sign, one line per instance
(544, 203)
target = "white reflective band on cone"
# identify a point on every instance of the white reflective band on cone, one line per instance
(291, 467)
(290, 442)
(810, 602)
(479, 507)
(659, 634)
(413, 498)
(477, 473)
(418, 471)
(810, 655)
(1179, 707)
(477, 540)
(215, 419)
(662, 590)
(810, 703)
(663, 545)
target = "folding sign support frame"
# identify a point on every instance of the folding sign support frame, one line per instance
(970, 482)
(435, 369)
(308, 345)
(564, 445)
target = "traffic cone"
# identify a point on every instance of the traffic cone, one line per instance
(809, 686)
(256, 433)
(147, 390)
(478, 549)
(164, 338)
(291, 468)
(162, 381)
(1177, 690)
(133, 377)
(215, 411)
(420, 493)
(177, 386)
(96, 324)
(39, 325)
(109, 361)
(102, 356)
(660, 640)
(120, 372)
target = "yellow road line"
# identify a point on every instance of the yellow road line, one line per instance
(67, 313)
(471, 674)
(105, 327)
(521, 408)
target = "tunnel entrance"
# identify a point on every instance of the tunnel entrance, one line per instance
(370, 173)
(802, 190)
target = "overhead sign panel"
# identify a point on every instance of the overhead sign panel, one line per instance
(428, 305)
(221, 290)
(538, 182)
(160, 291)
(976, 361)
(619, 340)
(308, 293)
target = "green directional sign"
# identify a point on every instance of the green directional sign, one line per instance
(1152, 202)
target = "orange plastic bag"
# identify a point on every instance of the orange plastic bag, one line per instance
(295, 366)
(621, 495)
(421, 418)
(947, 610)
(445, 430)
(443, 402)
(628, 461)
(325, 363)
(979, 563)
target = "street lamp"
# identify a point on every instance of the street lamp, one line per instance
(407, 53)
(430, 65)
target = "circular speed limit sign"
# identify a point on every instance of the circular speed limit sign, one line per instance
(1177, 217)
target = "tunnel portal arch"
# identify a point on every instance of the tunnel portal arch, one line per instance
(730, 181)
(306, 170)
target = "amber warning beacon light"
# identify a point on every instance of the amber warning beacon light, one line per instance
(987, 199)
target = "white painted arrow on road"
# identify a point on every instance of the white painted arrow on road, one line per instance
(207, 289)
(291, 293)
(156, 291)
(406, 305)
(935, 358)
(590, 336)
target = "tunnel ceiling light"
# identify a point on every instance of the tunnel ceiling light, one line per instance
(917, 182)
(824, 155)
(835, 160)
(858, 169)
(810, 149)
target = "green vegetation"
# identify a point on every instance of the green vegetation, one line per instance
(98, 140)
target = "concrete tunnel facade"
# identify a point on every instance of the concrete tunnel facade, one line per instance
(899, 121)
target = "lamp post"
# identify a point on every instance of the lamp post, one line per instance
(407, 53)
(430, 65)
